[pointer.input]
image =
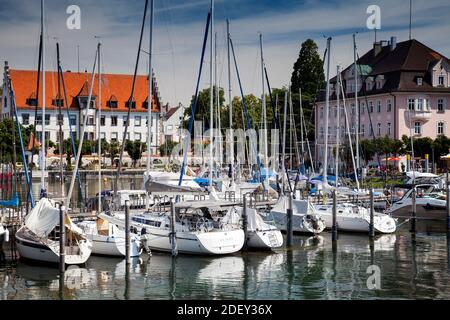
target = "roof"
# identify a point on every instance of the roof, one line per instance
(116, 86)
(170, 113)
(401, 67)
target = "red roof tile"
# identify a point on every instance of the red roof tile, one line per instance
(116, 86)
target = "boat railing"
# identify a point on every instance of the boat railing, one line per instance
(230, 196)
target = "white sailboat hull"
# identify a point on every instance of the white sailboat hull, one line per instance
(210, 243)
(33, 250)
(265, 240)
(299, 222)
(110, 246)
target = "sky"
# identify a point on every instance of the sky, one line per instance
(179, 30)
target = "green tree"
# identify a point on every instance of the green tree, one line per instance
(166, 149)
(135, 150)
(113, 151)
(369, 150)
(308, 75)
(203, 106)
(6, 139)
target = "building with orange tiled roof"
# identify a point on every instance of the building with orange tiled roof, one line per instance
(115, 94)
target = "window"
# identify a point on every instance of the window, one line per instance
(379, 129)
(102, 121)
(113, 136)
(321, 132)
(133, 104)
(137, 136)
(440, 105)
(39, 120)
(321, 112)
(103, 135)
(137, 121)
(363, 108)
(420, 105)
(441, 128)
(419, 81)
(73, 120)
(371, 106)
(379, 106)
(353, 129)
(363, 130)
(441, 81)
(112, 104)
(31, 102)
(389, 105)
(417, 128)
(60, 119)
(47, 119)
(114, 122)
(353, 109)
(411, 104)
(125, 120)
(336, 111)
(39, 135)
(90, 121)
(25, 119)
(47, 135)
(389, 128)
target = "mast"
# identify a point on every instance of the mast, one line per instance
(338, 130)
(266, 160)
(99, 135)
(284, 140)
(327, 113)
(230, 101)
(43, 149)
(219, 127)
(150, 92)
(357, 109)
(211, 98)
(60, 123)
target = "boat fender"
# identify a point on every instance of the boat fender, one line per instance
(6, 235)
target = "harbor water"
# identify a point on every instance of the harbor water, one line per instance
(410, 267)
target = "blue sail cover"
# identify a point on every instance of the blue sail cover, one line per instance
(13, 203)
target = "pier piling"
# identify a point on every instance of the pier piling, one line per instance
(334, 230)
(447, 189)
(245, 222)
(372, 211)
(127, 232)
(289, 222)
(62, 241)
(414, 210)
(173, 233)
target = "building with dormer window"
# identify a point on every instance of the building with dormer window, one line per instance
(402, 87)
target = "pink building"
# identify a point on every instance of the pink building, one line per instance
(402, 87)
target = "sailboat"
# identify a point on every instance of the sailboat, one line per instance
(350, 217)
(38, 239)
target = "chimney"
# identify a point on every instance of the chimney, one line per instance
(377, 48)
(393, 43)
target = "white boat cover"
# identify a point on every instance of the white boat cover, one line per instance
(255, 221)
(43, 218)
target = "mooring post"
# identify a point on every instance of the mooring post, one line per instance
(127, 232)
(447, 189)
(62, 240)
(414, 210)
(334, 229)
(245, 222)
(173, 233)
(289, 222)
(372, 212)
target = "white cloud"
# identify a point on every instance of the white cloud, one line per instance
(177, 45)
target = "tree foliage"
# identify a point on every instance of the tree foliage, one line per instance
(135, 150)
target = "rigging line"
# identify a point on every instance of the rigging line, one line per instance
(244, 105)
(368, 110)
(130, 101)
(196, 98)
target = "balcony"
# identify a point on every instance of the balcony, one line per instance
(416, 115)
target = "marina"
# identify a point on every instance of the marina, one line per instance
(108, 193)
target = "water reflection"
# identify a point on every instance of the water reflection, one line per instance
(411, 268)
